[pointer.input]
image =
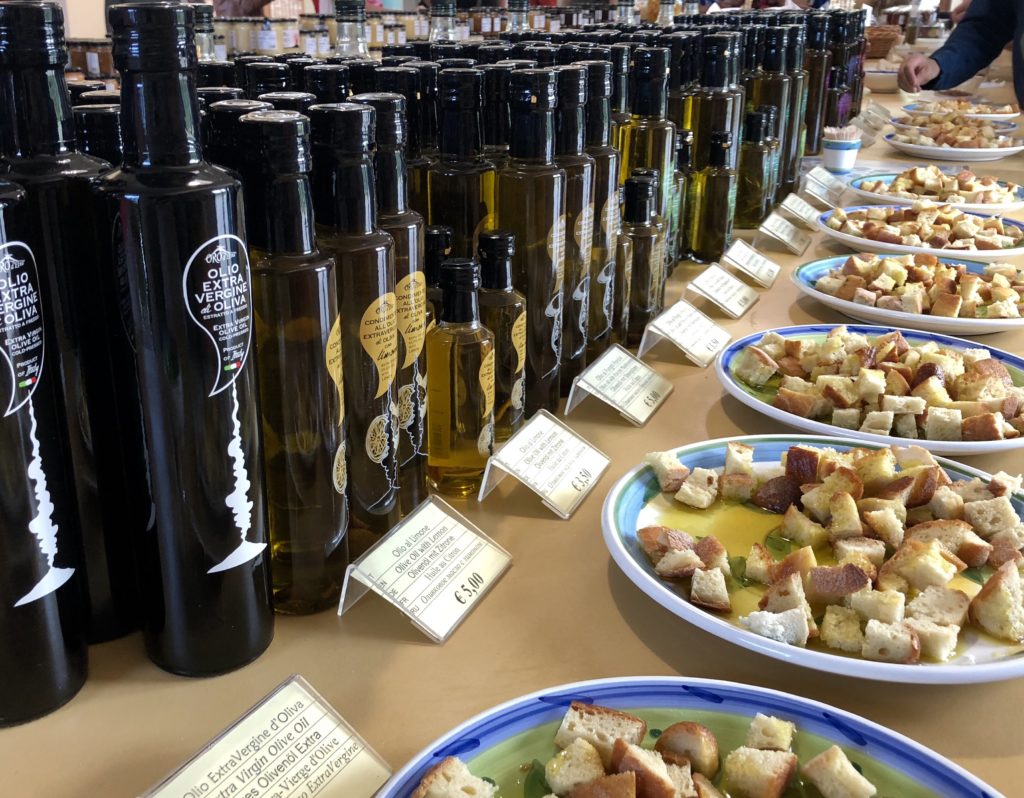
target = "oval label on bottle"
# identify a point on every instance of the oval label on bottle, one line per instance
(411, 308)
(584, 232)
(519, 340)
(487, 383)
(378, 335)
(378, 438)
(340, 471)
(22, 342)
(556, 250)
(217, 294)
(334, 365)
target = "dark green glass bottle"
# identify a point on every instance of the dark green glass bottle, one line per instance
(713, 192)
(753, 180)
(817, 62)
(793, 146)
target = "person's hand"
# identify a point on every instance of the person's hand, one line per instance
(960, 11)
(917, 70)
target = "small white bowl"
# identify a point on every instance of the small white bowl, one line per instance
(884, 82)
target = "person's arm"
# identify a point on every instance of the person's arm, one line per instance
(975, 43)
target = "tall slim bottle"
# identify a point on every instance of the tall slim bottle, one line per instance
(648, 274)
(503, 312)
(346, 214)
(205, 563)
(406, 227)
(621, 56)
(407, 81)
(753, 179)
(579, 170)
(531, 205)
(351, 18)
(603, 276)
(713, 192)
(88, 343)
(682, 80)
(460, 404)
(43, 661)
(679, 242)
(460, 184)
(857, 68)
(437, 249)
(298, 353)
(774, 88)
(793, 146)
(495, 113)
(841, 46)
(717, 104)
(771, 113)
(640, 240)
(817, 62)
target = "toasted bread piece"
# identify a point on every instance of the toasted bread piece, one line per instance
(800, 562)
(739, 458)
(770, 733)
(777, 494)
(712, 553)
(657, 541)
(802, 464)
(890, 642)
(956, 537)
(830, 584)
(755, 366)
(652, 776)
(886, 525)
(785, 627)
(1006, 547)
(753, 773)
(886, 606)
(737, 487)
(599, 726)
(835, 776)
(678, 564)
(946, 503)
(845, 519)
(923, 564)
(991, 516)
(577, 764)
(942, 605)
(943, 424)
(788, 593)
(869, 548)
(802, 530)
(760, 565)
(840, 629)
(999, 606)
(691, 742)
(708, 589)
(816, 500)
(450, 778)
(876, 469)
(705, 789)
(700, 489)
(617, 785)
(937, 642)
(670, 472)
(682, 778)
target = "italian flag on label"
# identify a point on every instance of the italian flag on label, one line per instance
(233, 366)
(28, 382)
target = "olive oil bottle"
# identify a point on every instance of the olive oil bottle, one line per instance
(621, 57)
(579, 218)
(503, 312)
(718, 105)
(682, 80)
(437, 249)
(460, 386)
(647, 273)
(460, 184)
(496, 112)
(405, 80)
(220, 130)
(773, 89)
(679, 241)
(327, 82)
(204, 562)
(299, 359)
(346, 214)
(753, 181)
(406, 227)
(793, 146)
(531, 205)
(771, 114)
(641, 239)
(817, 62)
(601, 308)
(713, 192)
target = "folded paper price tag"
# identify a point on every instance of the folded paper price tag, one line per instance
(698, 336)
(835, 187)
(803, 213)
(434, 566)
(718, 286)
(552, 460)
(816, 191)
(291, 743)
(748, 260)
(623, 381)
(785, 232)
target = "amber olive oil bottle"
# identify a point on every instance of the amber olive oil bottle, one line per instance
(817, 62)
(753, 181)
(638, 230)
(793, 145)
(713, 191)
(437, 248)
(719, 103)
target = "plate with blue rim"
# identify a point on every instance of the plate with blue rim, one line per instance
(508, 744)
(805, 278)
(1002, 128)
(761, 399)
(856, 186)
(963, 154)
(861, 244)
(636, 502)
(920, 108)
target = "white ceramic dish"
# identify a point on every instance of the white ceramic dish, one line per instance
(916, 107)
(1004, 128)
(882, 81)
(749, 397)
(969, 207)
(807, 275)
(859, 244)
(925, 152)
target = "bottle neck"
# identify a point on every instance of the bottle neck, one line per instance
(343, 194)
(461, 139)
(533, 136)
(43, 123)
(666, 13)
(283, 209)
(392, 181)
(459, 307)
(599, 122)
(569, 131)
(620, 94)
(160, 119)
(649, 99)
(518, 21)
(442, 29)
(495, 124)
(352, 39)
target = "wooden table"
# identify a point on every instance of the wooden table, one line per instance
(564, 612)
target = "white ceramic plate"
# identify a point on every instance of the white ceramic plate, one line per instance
(970, 207)
(881, 80)
(749, 397)
(917, 108)
(1004, 128)
(807, 275)
(926, 152)
(859, 244)
(633, 502)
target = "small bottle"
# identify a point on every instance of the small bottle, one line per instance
(718, 105)
(818, 63)
(298, 351)
(713, 191)
(773, 89)
(460, 184)
(460, 385)
(793, 146)
(579, 218)
(327, 82)
(496, 115)
(754, 175)
(837, 98)
(648, 274)
(503, 312)
(98, 131)
(351, 36)
(640, 237)
(621, 55)
(682, 78)
(771, 113)
(437, 249)
(442, 21)
(679, 241)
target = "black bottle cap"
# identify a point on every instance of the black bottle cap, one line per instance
(597, 52)
(280, 139)
(648, 174)
(297, 71)
(298, 101)
(287, 58)
(98, 129)
(404, 80)
(437, 245)
(519, 6)
(495, 249)
(684, 150)
(720, 142)
(204, 17)
(362, 75)
(456, 63)
(343, 127)
(396, 60)
(519, 63)
(32, 35)
(442, 8)
(429, 72)
(568, 53)
(390, 117)
(262, 77)
(716, 58)
(493, 53)
(771, 114)
(100, 97)
(840, 32)
(680, 46)
(327, 82)
(215, 94)
(755, 127)
(753, 47)
(836, 77)
(572, 86)
(344, 59)
(776, 42)
(439, 50)
(222, 119)
(544, 54)
(460, 274)
(153, 37)
(216, 73)
(819, 29)
(599, 78)
(421, 49)
(76, 88)
(795, 47)
(461, 89)
(533, 89)
(638, 200)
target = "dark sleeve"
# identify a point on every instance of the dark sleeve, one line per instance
(975, 42)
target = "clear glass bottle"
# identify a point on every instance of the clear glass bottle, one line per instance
(437, 249)
(680, 240)
(460, 386)
(460, 184)
(718, 104)
(793, 146)
(442, 21)
(753, 180)
(579, 169)
(648, 274)
(713, 191)
(773, 88)
(351, 37)
(641, 239)
(503, 312)
(204, 561)
(298, 352)
(818, 63)
(531, 205)
(603, 253)
(406, 227)
(346, 215)
(666, 13)
(771, 113)
(518, 16)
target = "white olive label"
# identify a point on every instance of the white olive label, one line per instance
(22, 344)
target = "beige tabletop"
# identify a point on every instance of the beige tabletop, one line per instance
(564, 612)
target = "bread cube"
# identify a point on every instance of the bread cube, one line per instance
(991, 516)
(760, 565)
(836, 777)
(737, 487)
(937, 642)
(708, 590)
(890, 642)
(599, 726)
(574, 765)
(956, 537)
(940, 605)
(692, 742)
(924, 564)
(999, 606)
(946, 503)
(942, 424)
(669, 471)
(770, 733)
(840, 629)
(878, 422)
(802, 530)
(885, 606)
(712, 553)
(652, 774)
(739, 458)
(870, 549)
(845, 519)
(450, 776)
(787, 594)
(755, 366)
(846, 418)
(678, 564)
(753, 773)
(870, 384)
(700, 489)
(785, 627)
(816, 501)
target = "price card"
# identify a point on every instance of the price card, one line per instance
(552, 460)
(434, 566)
(291, 744)
(624, 381)
(698, 336)
(785, 232)
(805, 214)
(832, 184)
(818, 193)
(752, 263)
(721, 288)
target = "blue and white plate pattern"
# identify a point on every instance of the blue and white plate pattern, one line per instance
(971, 207)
